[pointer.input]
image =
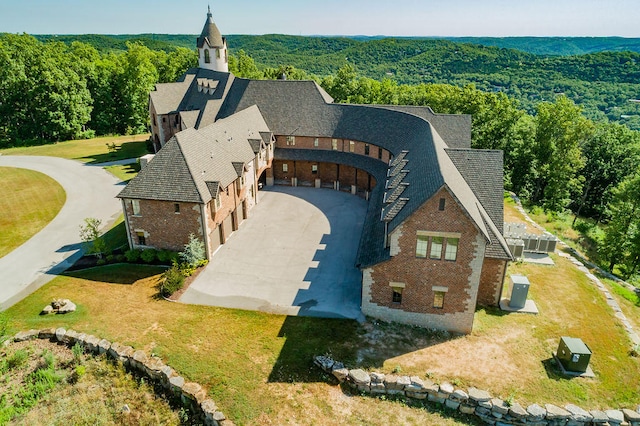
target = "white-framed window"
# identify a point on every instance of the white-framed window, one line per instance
(218, 53)
(135, 205)
(142, 238)
(207, 57)
(436, 248)
(438, 299)
(218, 202)
(352, 146)
(291, 140)
(396, 292)
(316, 142)
(285, 167)
(422, 243)
(451, 249)
(334, 144)
(314, 169)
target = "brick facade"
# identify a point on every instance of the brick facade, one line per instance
(491, 282)
(342, 145)
(420, 278)
(161, 226)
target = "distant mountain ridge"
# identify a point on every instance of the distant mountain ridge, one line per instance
(548, 46)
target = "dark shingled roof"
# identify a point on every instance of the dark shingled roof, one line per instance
(418, 138)
(483, 170)
(197, 158)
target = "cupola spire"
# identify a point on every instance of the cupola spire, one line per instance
(212, 47)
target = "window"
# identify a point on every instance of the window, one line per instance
(334, 144)
(352, 146)
(366, 149)
(285, 167)
(314, 169)
(291, 140)
(141, 238)
(241, 181)
(218, 53)
(379, 153)
(451, 250)
(436, 248)
(135, 204)
(207, 58)
(396, 291)
(397, 295)
(315, 142)
(421, 246)
(176, 208)
(438, 299)
(441, 204)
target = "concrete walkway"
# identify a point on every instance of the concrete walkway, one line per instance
(90, 192)
(295, 255)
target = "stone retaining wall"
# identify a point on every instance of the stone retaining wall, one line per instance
(191, 395)
(475, 402)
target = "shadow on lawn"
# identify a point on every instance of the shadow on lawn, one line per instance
(366, 345)
(132, 149)
(116, 274)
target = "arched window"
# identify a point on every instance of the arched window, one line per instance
(207, 58)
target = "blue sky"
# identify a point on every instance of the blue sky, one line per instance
(327, 17)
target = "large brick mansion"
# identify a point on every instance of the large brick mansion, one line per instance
(432, 247)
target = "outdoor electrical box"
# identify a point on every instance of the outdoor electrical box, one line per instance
(574, 354)
(519, 291)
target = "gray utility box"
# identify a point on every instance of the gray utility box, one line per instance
(519, 291)
(574, 354)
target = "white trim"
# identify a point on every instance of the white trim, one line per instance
(396, 285)
(439, 289)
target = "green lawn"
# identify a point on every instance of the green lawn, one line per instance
(258, 367)
(29, 200)
(88, 150)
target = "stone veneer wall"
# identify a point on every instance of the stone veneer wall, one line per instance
(191, 395)
(475, 402)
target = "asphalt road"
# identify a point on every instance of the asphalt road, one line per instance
(91, 192)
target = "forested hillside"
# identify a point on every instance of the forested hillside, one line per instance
(548, 114)
(602, 83)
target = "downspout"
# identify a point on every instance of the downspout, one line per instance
(205, 234)
(126, 223)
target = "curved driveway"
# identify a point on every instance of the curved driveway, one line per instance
(91, 192)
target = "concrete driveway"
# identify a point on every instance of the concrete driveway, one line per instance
(294, 255)
(90, 192)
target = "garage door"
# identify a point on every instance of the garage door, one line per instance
(215, 239)
(228, 227)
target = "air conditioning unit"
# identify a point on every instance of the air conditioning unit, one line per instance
(519, 291)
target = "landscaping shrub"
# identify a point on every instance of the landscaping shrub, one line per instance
(101, 262)
(148, 255)
(132, 255)
(167, 256)
(193, 253)
(110, 258)
(172, 281)
(120, 258)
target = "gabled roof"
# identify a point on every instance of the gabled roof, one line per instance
(166, 178)
(422, 164)
(196, 162)
(210, 33)
(482, 169)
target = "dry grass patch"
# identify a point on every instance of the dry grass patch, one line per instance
(88, 150)
(510, 354)
(84, 390)
(29, 200)
(257, 367)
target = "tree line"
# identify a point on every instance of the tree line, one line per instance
(555, 157)
(53, 91)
